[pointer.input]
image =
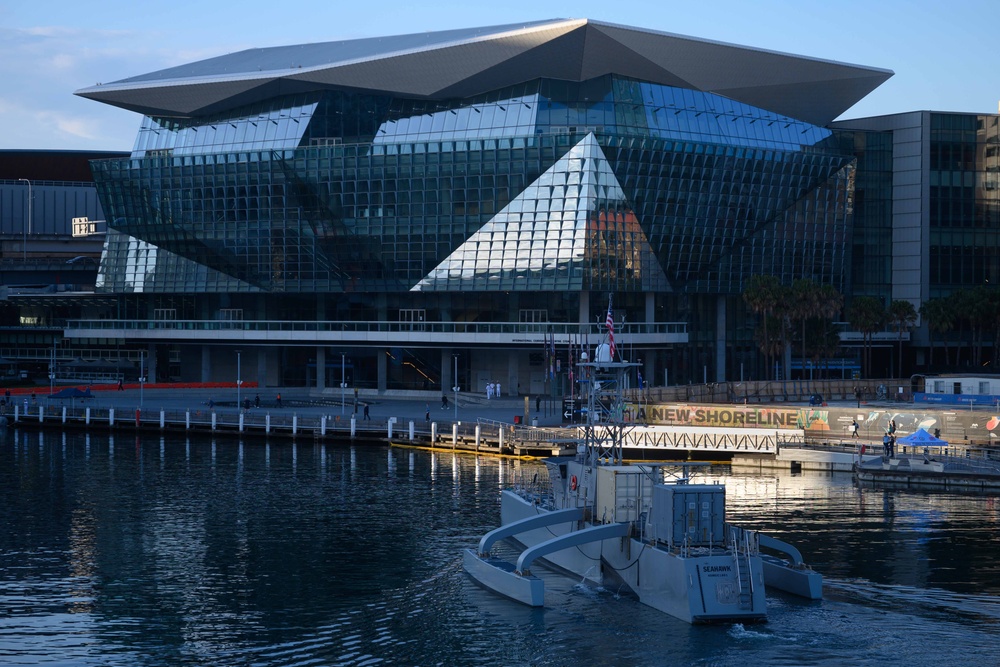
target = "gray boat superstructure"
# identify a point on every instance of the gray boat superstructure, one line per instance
(646, 528)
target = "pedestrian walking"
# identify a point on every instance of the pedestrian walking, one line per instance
(444, 401)
(427, 414)
(366, 413)
(279, 400)
(256, 401)
(854, 429)
(121, 384)
(497, 390)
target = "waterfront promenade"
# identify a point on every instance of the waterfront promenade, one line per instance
(478, 423)
(502, 425)
(306, 402)
(404, 406)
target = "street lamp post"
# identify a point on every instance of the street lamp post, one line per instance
(52, 370)
(142, 375)
(343, 381)
(239, 381)
(26, 228)
(455, 388)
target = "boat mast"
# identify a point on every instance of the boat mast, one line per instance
(605, 428)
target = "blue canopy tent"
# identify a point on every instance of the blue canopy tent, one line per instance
(921, 438)
(72, 392)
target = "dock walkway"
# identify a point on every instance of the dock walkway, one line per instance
(481, 425)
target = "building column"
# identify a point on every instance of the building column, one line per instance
(151, 363)
(321, 368)
(447, 381)
(261, 367)
(383, 369)
(381, 308)
(584, 313)
(650, 307)
(720, 339)
(510, 387)
(206, 364)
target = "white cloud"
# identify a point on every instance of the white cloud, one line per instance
(74, 126)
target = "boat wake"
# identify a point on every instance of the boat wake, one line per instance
(740, 631)
(933, 602)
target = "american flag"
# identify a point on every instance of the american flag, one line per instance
(610, 321)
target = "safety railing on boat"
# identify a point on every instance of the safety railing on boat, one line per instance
(744, 545)
(535, 487)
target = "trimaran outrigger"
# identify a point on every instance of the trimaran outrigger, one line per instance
(646, 527)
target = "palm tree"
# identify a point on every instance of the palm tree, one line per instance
(940, 317)
(831, 302)
(902, 315)
(981, 310)
(962, 304)
(867, 315)
(804, 306)
(762, 295)
(994, 299)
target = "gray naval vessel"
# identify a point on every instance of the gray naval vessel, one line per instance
(646, 528)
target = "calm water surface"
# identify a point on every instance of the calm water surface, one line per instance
(124, 551)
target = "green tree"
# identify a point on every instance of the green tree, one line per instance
(902, 316)
(963, 302)
(803, 306)
(980, 308)
(763, 295)
(940, 316)
(867, 315)
(831, 302)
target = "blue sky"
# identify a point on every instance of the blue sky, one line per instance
(946, 55)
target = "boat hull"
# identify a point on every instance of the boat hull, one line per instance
(583, 561)
(803, 582)
(499, 576)
(696, 589)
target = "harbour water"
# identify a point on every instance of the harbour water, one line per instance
(172, 551)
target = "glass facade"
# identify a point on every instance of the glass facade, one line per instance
(871, 234)
(607, 185)
(964, 202)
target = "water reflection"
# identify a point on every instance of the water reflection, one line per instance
(240, 553)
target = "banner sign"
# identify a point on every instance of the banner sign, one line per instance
(959, 426)
(808, 419)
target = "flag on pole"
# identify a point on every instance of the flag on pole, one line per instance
(552, 355)
(610, 321)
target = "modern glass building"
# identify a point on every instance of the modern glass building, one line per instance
(929, 224)
(418, 211)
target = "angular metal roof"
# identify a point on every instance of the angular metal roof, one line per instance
(462, 63)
